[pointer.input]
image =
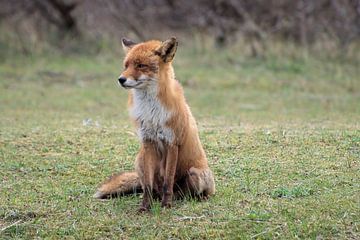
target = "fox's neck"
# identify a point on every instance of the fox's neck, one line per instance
(166, 72)
(166, 85)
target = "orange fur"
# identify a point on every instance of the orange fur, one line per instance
(171, 156)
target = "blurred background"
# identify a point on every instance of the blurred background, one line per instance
(280, 61)
(35, 25)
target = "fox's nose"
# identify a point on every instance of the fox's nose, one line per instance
(122, 80)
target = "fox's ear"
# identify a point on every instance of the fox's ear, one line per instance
(127, 44)
(167, 49)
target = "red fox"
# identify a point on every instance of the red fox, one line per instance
(171, 161)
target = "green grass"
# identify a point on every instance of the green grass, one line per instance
(281, 133)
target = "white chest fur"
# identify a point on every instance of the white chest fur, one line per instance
(151, 115)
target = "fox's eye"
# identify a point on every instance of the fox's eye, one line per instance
(126, 65)
(140, 65)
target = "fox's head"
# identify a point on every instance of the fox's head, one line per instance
(144, 62)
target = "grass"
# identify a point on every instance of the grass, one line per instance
(281, 133)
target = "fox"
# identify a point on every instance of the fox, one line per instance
(171, 161)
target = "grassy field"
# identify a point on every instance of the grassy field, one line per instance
(282, 135)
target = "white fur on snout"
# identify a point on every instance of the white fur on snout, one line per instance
(143, 77)
(130, 83)
(145, 81)
(141, 82)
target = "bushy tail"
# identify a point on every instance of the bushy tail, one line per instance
(119, 184)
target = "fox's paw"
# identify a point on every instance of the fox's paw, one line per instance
(143, 209)
(204, 197)
(166, 204)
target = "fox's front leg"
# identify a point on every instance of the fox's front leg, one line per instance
(169, 176)
(147, 164)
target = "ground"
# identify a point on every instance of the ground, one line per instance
(282, 135)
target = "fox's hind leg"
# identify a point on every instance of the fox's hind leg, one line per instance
(199, 183)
